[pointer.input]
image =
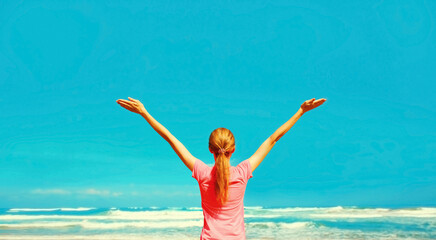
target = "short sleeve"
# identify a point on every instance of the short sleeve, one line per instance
(199, 171)
(245, 169)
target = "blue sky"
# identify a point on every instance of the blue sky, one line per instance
(64, 141)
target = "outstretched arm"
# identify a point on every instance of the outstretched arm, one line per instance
(137, 107)
(269, 143)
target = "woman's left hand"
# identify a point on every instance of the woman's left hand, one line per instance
(133, 105)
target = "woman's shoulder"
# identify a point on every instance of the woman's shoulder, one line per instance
(201, 170)
(243, 169)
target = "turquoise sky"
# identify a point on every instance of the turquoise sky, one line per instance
(248, 67)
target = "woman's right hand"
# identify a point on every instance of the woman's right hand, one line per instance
(311, 104)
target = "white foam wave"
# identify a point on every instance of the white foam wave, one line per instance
(48, 209)
(274, 225)
(195, 208)
(116, 216)
(294, 209)
(349, 212)
(32, 209)
(155, 215)
(297, 225)
(80, 209)
(375, 213)
(262, 215)
(318, 213)
(105, 225)
(121, 216)
(99, 237)
(145, 224)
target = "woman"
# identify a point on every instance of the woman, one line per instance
(222, 186)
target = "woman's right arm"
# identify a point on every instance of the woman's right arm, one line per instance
(267, 145)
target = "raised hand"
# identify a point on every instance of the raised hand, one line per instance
(133, 105)
(311, 104)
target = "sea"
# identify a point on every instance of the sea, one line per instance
(337, 222)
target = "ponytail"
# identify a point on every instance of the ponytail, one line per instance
(222, 145)
(222, 173)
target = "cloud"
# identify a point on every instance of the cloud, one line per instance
(89, 191)
(51, 191)
(92, 191)
(144, 191)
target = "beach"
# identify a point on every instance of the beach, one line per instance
(186, 223)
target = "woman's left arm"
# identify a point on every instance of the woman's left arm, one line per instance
(136, 106)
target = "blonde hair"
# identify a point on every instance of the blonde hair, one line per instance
(222, 138)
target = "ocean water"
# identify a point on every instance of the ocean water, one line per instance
(186, 223)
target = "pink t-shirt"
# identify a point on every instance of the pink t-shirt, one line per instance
(226, 222)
